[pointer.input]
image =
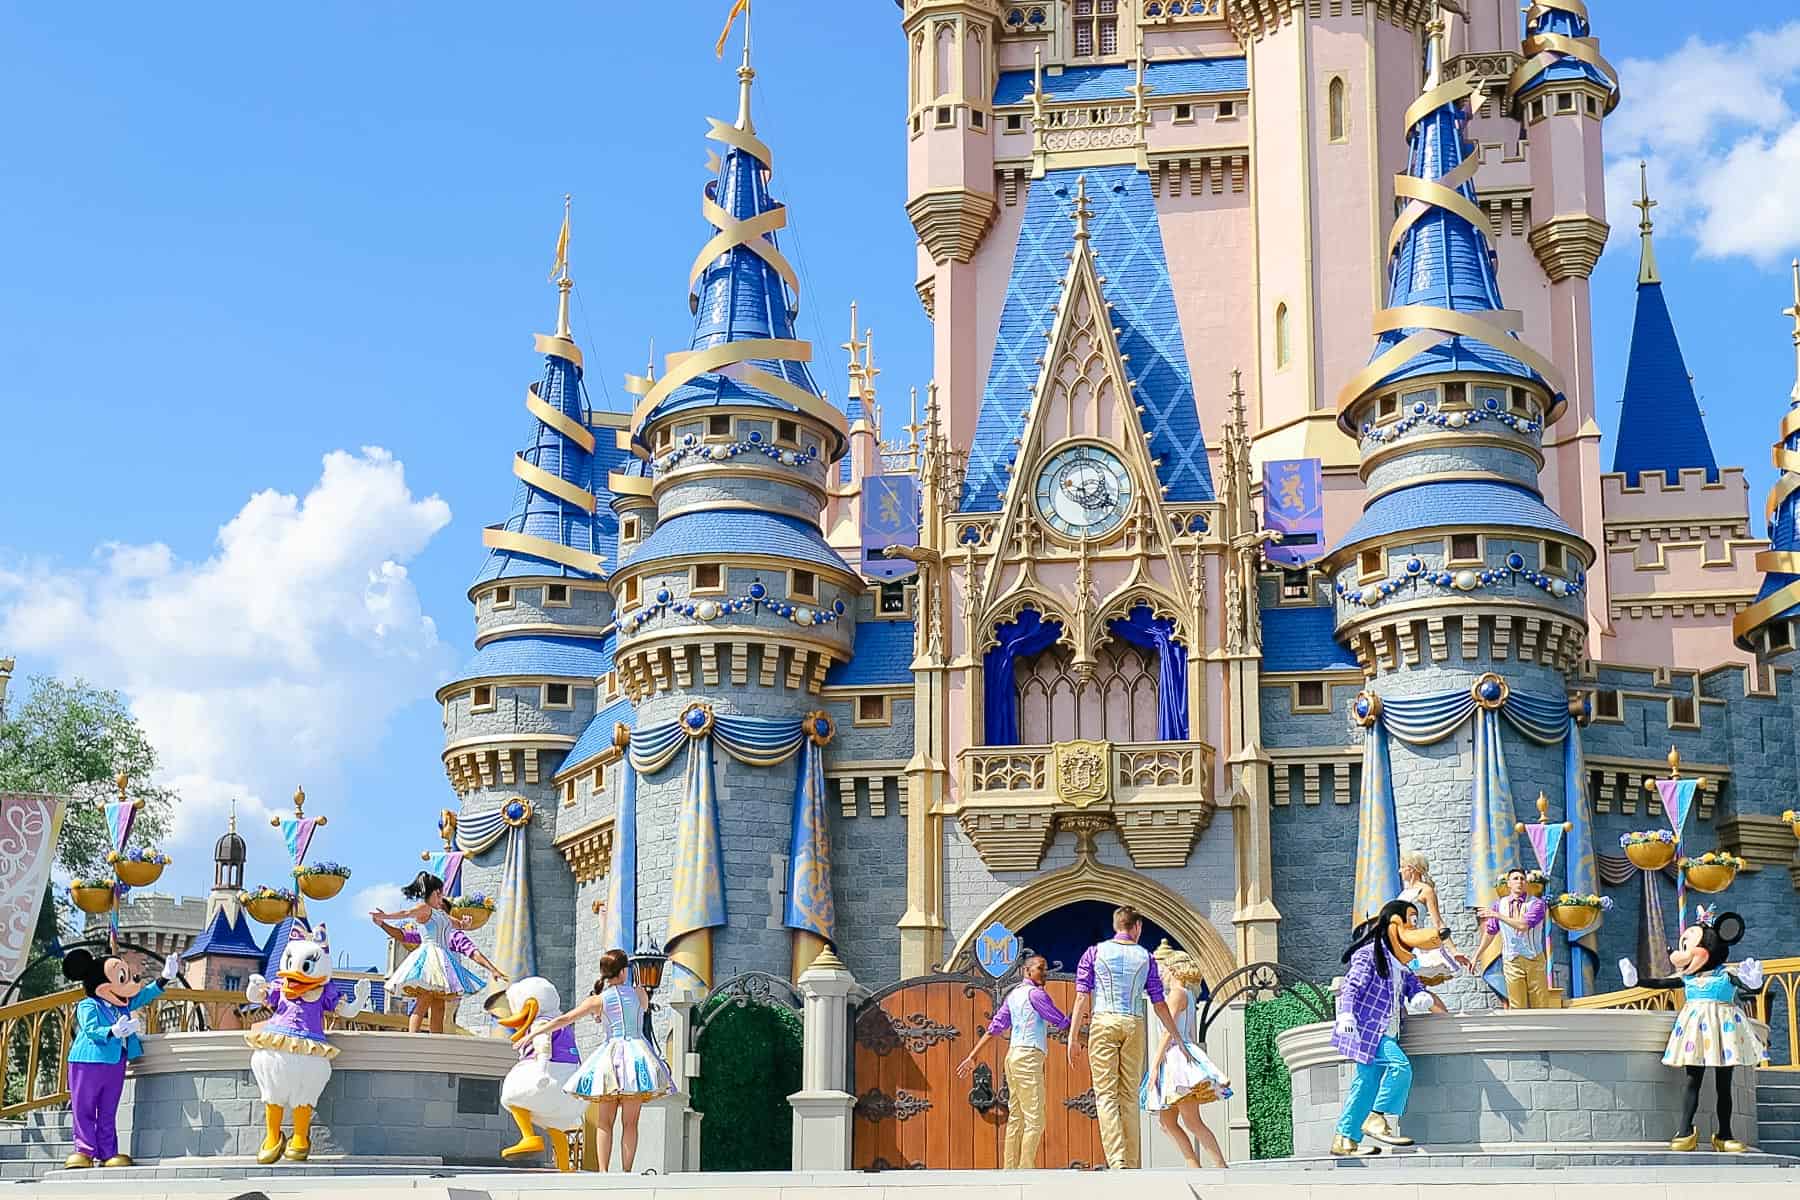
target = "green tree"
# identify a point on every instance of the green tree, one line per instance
(72, 739)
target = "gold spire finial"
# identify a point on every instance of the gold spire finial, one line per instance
(231, 821)
(1434, 47)
(1543, 803)
(559, 274)
(854, 348)
(1082, 209)
(1794, 312)
(745, 71)
(123, 780)
(1646, 255)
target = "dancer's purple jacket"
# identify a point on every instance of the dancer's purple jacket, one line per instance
(1369, 998)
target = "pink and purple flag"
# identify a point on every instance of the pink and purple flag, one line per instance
(297, 832)
(1677, 797)
(1546, 839)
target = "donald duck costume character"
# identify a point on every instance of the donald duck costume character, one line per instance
(532, 1091)
(1370, 997)
(291, 1059)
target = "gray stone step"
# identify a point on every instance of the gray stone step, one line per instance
(1774, 1112)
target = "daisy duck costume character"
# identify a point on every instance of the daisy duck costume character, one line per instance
(106, 1038)
(1370, 998)
(1711, 1029)
(533, 1091)
(291, 1059)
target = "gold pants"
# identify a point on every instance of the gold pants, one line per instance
(1527, 984)
(1025, 1106)
(1116, 1058)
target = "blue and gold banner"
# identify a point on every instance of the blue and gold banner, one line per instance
(810, 905)
(698, 899)
(1293, 506)
(890, 517)
(618, 924)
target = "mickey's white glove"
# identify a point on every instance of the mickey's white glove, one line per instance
(1750, 974)
(127, 1026)
(1628, 972)
(171, 968)
(1346, 1024)
(1419, 1004)
(258, 989)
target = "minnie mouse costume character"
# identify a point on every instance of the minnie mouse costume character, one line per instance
(1711, 1030)
(106, 1038)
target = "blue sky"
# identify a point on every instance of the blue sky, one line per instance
(270, 279)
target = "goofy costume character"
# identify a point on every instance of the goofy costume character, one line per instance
(1377, 986)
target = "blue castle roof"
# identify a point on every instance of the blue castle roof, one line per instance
(744, 530)
(1302, 639)
(224, 938)
(577, 658)
(1183, 77)
(537, 512)
(1126, 240)
(597, 738)
(1660, 426)
(1570, 24)
(740, 295)
(1444, 261)
(1432, 504)
(881, 656)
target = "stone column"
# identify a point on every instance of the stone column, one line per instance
(822, 1106)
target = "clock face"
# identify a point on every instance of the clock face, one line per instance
(1084, 491)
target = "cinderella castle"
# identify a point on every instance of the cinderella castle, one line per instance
(1252, 528)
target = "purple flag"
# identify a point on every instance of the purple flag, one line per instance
(1546, 839)
(447, 866)
(297, 832)
(1677, 798)
(119, 818)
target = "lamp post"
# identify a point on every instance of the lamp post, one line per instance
(647, 967)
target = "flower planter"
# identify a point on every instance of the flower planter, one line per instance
(1711, 877)
(1575, 917)
(137, 872)
(322, 887)
(1650, 856)
(269, 910)
(92, 899)
(476, 917)
(1534, 887)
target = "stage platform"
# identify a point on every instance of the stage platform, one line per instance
(1550, 1176)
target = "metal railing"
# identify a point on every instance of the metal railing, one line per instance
(1781, 977)
(35, 1036)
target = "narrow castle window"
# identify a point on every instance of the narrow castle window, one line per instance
(569, 794)
(1369, 565)
(1337, 109)
(943, 49)
(503, 597)
(1310, 695)
(1184, 113)
(787, 432)
(482, 699)
(1096, 26)
(1227, 109)
(1015, 122)
(708, 577)
(628, 529)
(1284, 350)
(1609, 705)
(1465, 547)
(872, 710)
(1780, 636)
(1387, 407)
(1295, 585)
(893, 597)
(556, 595)
(628, 594)
(718, 427)
(916, 78)
(1553, 557)
(556, 695)
(1682, 711)
(803, 585)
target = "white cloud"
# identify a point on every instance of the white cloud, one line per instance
(1718, 126)
(383, 896)
(287, 649)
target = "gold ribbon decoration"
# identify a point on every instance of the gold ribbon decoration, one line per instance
(690, 365)
(748, 233)
(558, 420)
(557, 347)
(544, 548)
(555, 485)
(1544, 50)
(1776, 562)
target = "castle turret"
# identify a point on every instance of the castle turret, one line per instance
(1459, 586)
(1660, 426)
(543, 640)
(226, 952)
(733, 606)
(1562, 92)
(1767, 626)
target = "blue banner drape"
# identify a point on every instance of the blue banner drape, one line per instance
(1144, 629)
(810, 905)
(1584, 863)
(1493, 846)
(1019, 638)
(1378, 835)
(515, 946)
(619, 929)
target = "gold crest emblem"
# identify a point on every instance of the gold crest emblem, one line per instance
(1081, 770)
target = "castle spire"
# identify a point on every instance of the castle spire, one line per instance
(559, 274)
(1779, 598)
(746, 74)
(1647, 251)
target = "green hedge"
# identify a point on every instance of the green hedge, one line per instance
(749, 1066)
(1269, 1098)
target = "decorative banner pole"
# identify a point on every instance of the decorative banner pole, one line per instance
(1677, 795)
(297, 831)
(447, 863)
(1544, 835)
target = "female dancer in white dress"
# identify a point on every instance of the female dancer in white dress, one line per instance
(433, 975)
(1176, 1085)
(625, 1070)
(1434, 966)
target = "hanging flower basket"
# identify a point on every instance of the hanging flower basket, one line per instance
(1651, 850)
(138, 867)
(321, 881)
(476, 908)
(267, 905)
(1578, 913)
(92, 895)
(1534, 883)
(1713, 871)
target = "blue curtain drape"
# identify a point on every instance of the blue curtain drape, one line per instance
(515, 946)
(1493, 845)
(810, 905)
(1378, 833)
(1584, 864)
(619, 930)
(1029, 633)
(1144, 629)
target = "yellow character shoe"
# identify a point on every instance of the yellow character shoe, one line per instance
(1686, 1141)
(1343, 1147)
(1728, 1145)
(124, 1160)
(77, 1162)
(1383, 1131)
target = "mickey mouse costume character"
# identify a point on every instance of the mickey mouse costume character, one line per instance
(1375, 988)
(106, 1038)
(1711, 1029)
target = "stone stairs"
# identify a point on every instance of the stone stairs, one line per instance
(1778, 1111)
(35, 1143)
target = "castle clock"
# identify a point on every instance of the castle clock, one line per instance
(1083, 490)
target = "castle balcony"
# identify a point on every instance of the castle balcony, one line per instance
(1012, 799)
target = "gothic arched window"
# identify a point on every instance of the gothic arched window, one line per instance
(1284, 343)
(1337, 107)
